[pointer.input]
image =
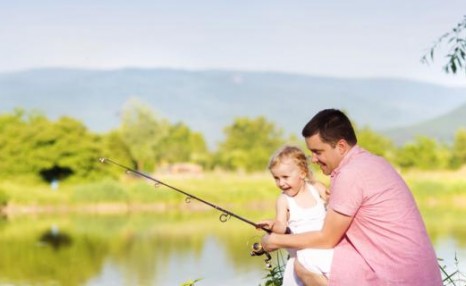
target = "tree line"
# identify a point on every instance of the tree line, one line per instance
(32, 146)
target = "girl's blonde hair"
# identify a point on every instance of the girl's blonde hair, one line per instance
(297, 155)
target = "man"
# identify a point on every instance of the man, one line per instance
(372, 219)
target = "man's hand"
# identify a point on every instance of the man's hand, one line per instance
(267, 243)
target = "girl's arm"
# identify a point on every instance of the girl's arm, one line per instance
(280, 223)
(335, 227)
(281, 216)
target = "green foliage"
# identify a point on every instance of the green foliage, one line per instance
(31, 144)
(375, 143)
(274, 275)
(3, 199)
(12, 142)
(459, 148)
(115, 148)
(249, 144)
(151, 141)
(104, 191)
(424, 153)
(456, 39)
(191, 282)
(142, 131)
(35, 149)
(455, 278)
(182, 145)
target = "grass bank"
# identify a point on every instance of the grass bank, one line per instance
(441, 195)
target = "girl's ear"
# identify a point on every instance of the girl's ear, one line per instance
(303, 175)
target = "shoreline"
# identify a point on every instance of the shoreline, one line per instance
(14, 210)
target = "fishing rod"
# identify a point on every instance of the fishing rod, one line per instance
(225, 215)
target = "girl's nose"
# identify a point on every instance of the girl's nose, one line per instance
(279, 182)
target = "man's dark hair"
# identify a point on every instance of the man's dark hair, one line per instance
(332, 125)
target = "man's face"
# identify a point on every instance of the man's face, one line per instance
(323, 154)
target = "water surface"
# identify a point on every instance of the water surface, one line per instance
(145, 249)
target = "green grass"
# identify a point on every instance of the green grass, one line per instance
(441, 195)
(220, 189)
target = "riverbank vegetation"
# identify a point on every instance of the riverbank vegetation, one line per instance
(37, 149)
(54, 165)
(441, 196)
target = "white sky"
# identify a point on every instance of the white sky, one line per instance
(358, 38)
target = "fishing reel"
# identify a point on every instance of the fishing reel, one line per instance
(258, 250)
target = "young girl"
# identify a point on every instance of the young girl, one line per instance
(299, 208)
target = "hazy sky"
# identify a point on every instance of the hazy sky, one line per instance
(358, 38)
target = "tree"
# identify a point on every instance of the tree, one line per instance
(375, 142)
(114, 147)
(12, 140)
(249, 143)
(459, 149)
(142, 131)
(424, 153)
(33, 146)
(456, 39)
(67, 148)
(183, 145)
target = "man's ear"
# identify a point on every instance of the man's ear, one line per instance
(342, 146)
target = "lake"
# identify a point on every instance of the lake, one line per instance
(145, 249)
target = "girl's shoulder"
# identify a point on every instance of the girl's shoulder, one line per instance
(282, 201)
(318, 186)
(282, 198)
(322, 190)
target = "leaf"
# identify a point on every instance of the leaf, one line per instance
(453, 66)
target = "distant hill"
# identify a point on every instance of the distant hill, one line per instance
(442, 128)
(207, 101)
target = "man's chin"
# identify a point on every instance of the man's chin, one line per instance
(325, 170)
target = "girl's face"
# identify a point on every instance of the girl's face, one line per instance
(288, 177)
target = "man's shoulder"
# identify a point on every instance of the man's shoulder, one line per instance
(361, 158)
(363, 165)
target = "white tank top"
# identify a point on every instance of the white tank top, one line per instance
(306, 219)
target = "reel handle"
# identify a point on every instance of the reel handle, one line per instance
(258, 250)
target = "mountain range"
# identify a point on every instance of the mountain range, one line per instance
(209, 100)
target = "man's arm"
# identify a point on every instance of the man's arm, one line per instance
(335, 226)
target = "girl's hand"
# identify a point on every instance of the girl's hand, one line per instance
(326, 195)
(267, 224)
(324, 192)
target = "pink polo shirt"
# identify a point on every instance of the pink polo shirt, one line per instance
(387, 243)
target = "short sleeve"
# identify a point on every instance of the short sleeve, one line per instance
(346, 192)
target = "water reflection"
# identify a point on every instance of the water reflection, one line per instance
(143, 249)
(55, 238)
